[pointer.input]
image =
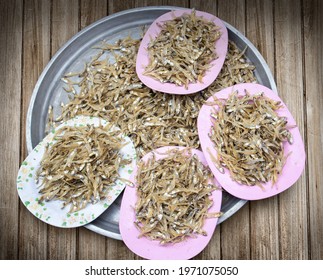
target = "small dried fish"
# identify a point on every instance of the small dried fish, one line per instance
(173, 197)
(81, 165)
(183, 50)
(113, 91)
(249, 135)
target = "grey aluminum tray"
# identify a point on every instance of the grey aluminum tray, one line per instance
(78, 50)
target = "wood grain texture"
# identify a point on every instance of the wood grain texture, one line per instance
(177, 3)
(36, 54)
(62, 243)
(91, 245)
(289, 36)
(115, 249)
(146, 3)
(213, 250)
(64, 22)
(313, 68)
(11, 14)
(289, 76)
(235, 230)
(233, 12)
(260, 28)
(264, 238)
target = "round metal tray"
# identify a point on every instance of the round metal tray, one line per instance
(72, 56)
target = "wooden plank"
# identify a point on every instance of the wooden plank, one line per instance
(313, 67)
(91, 11)
(62, 243)
(117, 250)
(264, 239)
(36, 54)
(213, 250)
(90, 244)
(235, 232)
(289, 75)
(65, 22)
(177, 3)
(11, 13)
(117, 6)
(233, 12)
(235, 236)
(260, 28)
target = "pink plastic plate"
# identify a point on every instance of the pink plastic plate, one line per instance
(153, 31)
(151, 249)
(293, 167)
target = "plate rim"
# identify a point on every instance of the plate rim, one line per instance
(187, 248)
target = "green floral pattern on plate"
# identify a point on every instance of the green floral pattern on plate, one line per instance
(51, 212)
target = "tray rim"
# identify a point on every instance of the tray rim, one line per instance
(251, 46)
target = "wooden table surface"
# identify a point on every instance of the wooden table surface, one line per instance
(289, 36)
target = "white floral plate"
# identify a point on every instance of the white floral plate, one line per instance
(51, 212)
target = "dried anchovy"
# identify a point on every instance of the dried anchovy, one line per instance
(173, 197)
(113, 91)
(81, 166)
(249, 137)
(236, 69)
(183, 50)
(50, 119)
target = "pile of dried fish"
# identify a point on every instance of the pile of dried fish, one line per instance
(113, 91)
(183, 50)
(81, 165)
(249, 137)
(173, 197)
(235, 70)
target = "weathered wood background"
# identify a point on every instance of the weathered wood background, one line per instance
(287, 33)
